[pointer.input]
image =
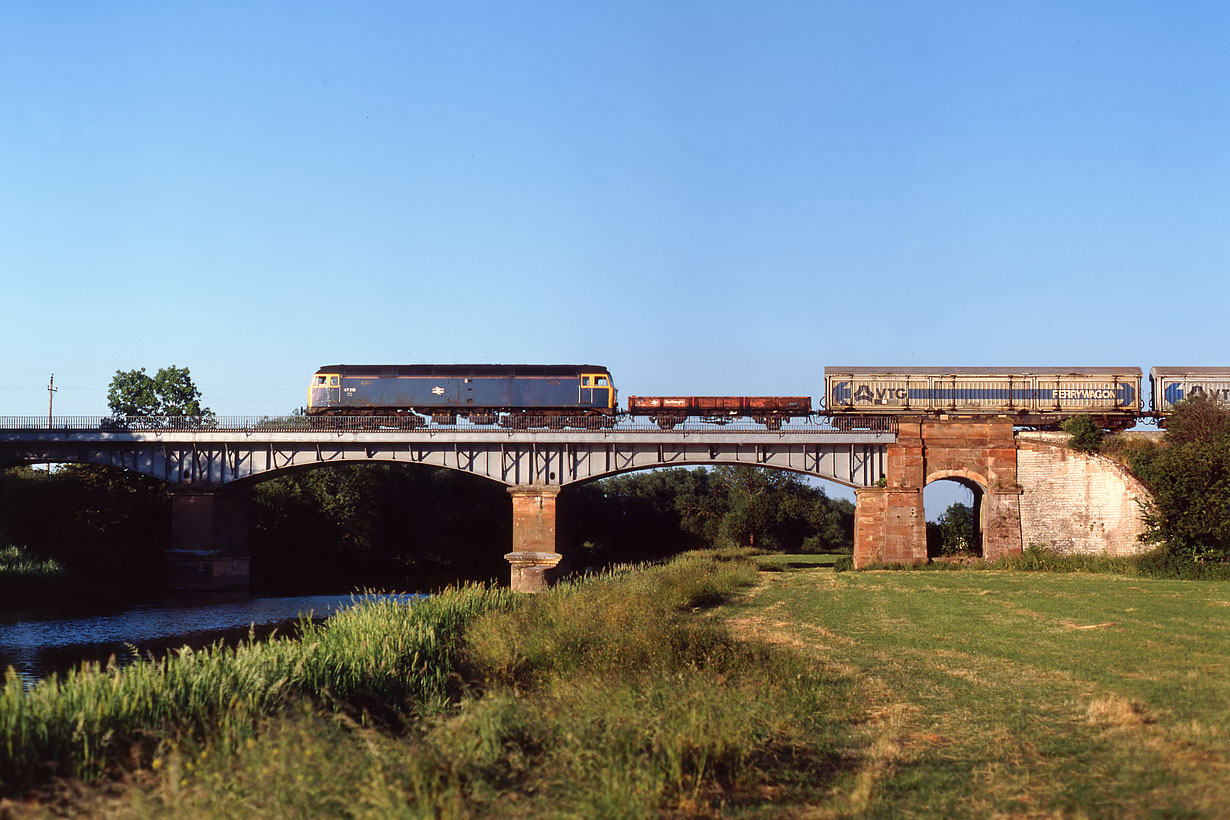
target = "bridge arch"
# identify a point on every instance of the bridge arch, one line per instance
(890, 522)
(971, 480)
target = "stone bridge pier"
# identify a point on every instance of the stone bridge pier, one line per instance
(209, 538)
(890, 524)
(534, 548)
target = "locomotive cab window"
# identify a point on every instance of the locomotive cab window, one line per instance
(320, 379)
(585, 381)
(333, 381)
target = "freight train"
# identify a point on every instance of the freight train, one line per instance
(557, 396)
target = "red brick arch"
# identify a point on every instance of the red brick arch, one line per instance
(890, 522)
(954, 475)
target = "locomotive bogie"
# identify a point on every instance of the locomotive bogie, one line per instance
(1031, 396)
(1170, 385)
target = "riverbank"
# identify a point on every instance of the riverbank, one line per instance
(740, 686)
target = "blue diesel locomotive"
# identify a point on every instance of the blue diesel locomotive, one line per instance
(515, 395)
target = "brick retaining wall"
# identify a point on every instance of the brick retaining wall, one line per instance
(1076, 503)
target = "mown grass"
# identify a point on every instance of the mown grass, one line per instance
(1156, 563)
(1018, 694)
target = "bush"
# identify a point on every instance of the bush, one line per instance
(1189, 474)
(17, 562)
(1085, 433)
(26, 578)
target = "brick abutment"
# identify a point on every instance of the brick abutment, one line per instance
(1029, 489)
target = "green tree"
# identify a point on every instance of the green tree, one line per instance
(955, 531)
(378, 525)
(766, 509)
(632, 517)
(1189, 473)
(653, 514)
(132, 394)
(170, 392)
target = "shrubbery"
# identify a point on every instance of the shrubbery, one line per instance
(1085, 433)
(1189, 474)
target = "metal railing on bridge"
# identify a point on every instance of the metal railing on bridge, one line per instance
(816, 425)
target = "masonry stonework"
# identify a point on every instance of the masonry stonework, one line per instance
(890, 521)
(533, 553)
(209, 539)
(1077, 503)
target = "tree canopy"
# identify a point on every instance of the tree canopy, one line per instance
(170, 392)
(652, 514)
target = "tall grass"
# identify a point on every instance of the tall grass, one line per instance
(16, 563)
(1157, 563)
(27, 579)
(626, 618)
(378, 652)
(617, 696)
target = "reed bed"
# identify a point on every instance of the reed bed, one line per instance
(377, 652)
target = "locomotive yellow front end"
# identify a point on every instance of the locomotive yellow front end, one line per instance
(597, 391)
(324, 392)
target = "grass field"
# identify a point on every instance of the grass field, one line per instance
(750, 687)
(982, 694)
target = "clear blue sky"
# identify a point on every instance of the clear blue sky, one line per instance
(708, 197)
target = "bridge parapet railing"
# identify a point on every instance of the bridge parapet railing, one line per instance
(818, 425)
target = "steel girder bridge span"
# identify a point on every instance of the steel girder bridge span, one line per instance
(207, 469)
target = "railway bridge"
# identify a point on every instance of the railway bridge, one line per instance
(1027, 489)
(208, 467)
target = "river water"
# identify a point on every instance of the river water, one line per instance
(37, 643)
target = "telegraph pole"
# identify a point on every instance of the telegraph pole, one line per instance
(51, 394)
